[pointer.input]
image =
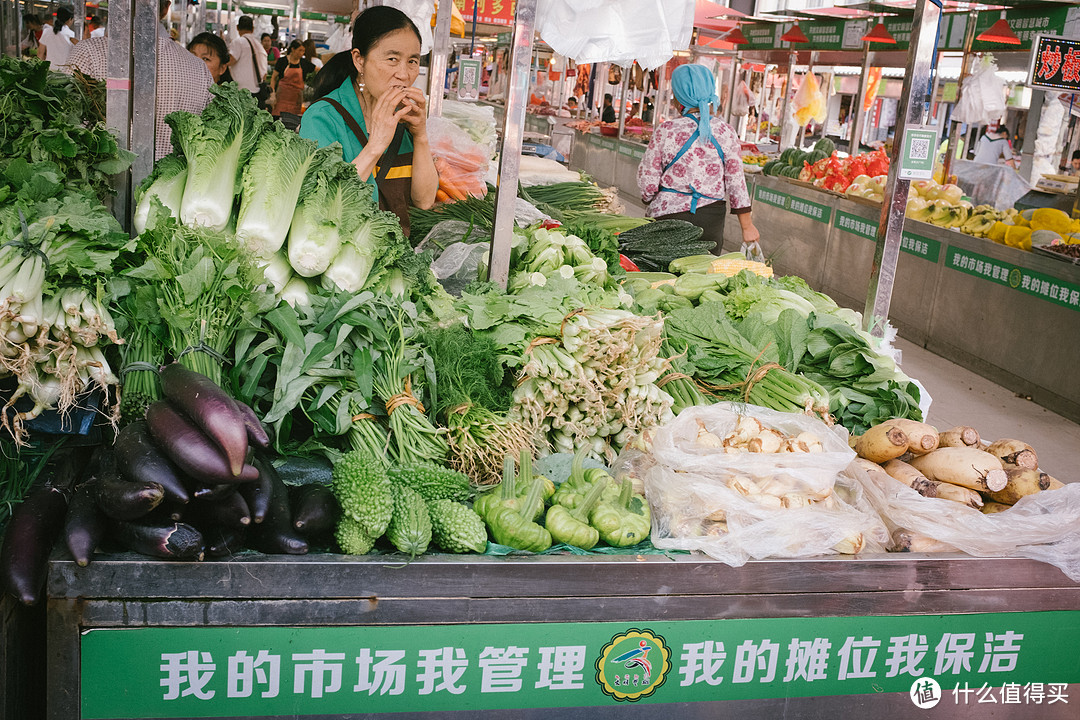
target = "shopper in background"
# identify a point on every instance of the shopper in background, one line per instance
(58, 39)
(183, 80)
(1073, 168)
(691, 170)
(213, 51)
(312, 54)
(290, 74)
(95, 27)
(647, 111)
(28, 45)
(273, 52)
(994, 146)
(247, 60)
(607, 113)
(366, 101)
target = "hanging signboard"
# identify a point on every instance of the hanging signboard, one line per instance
(760, 36)
(1055, 64)
(490, 12)
(1026, 23)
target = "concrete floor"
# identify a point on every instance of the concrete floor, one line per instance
(960, 397)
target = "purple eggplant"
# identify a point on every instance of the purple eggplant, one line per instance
(140, 459)
(229, 511)
(259, 493)
(211, 409)
(315, 509)
(33, 527)
(222, 541)
(85, 525)
(190, 448)
(256, 433)
(123, 499)
(208, 492)
(174, 541)
(276, 534)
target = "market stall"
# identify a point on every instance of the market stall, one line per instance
(352, 478)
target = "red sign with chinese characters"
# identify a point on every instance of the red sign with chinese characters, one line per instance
(490, 12)
(1055, 64)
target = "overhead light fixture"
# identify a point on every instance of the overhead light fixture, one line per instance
(735, 37)
(794, 35)
(999, 32)
(879, 34)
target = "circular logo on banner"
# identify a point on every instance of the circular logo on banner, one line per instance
(632, 665)
(925, 693)
(1015, 277)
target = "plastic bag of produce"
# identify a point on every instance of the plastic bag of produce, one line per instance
(1044, 526)
(477, 120)
(809, 102)
(741, 482)
(462, 163)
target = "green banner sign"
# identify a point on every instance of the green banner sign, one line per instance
(1026, 23)
(236, 672)
(771, 197)
(1051, 289)
(761, 36)
(856, 225)
(823, 34)
(812, 210)
(919, 246)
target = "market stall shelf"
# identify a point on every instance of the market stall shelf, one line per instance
(346, 604)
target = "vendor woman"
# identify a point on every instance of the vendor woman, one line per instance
(692, 170)
(366, 101)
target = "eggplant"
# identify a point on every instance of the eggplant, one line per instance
(315, 509)
(174, 541)
(276, 534)
(208, 492)
(210, 408)
(85, 525)
(222, 541)
(140, 459)
(190, 448)
(259, 493)
(123, 499)
(256, 433)
(229, 511)
(34, 527)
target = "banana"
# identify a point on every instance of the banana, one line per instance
(1014, 453)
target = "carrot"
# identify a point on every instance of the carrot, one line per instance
(441, 196)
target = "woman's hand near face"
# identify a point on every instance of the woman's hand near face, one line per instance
(416, 117)
(385, 118)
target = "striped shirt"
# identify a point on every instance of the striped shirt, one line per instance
(183, 81)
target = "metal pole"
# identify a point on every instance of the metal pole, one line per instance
(660, 106)
(858, 123)
(911, 111)
(517, 97)
(735, 61)
(80, 18)
(950, 151)
(144, 84)
(792, 58)
(440, 52)
(118, 98)
(622, 99)
(200, 15)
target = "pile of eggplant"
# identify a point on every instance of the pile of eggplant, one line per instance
(190, 481)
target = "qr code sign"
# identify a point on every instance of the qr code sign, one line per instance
(920, 149)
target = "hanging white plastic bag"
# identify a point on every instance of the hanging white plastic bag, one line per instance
(735, 505)
(744, 100)
(590, 31)
(1044, 526)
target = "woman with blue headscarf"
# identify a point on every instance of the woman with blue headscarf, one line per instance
(692, 170)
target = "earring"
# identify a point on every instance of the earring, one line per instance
(360, 82)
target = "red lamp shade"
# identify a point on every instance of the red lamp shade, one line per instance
(999, 32)
(735, 37)
(794, 35)
(879, 34)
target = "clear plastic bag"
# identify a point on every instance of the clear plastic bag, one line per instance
(1044, 526)
(737, 507)
(462, 163)
(477, 120)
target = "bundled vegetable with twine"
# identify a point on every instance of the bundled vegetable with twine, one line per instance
(595, 384)
(474, 403)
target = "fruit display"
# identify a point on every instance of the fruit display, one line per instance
(1035, 226)
(756, 159)
(792, 161)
